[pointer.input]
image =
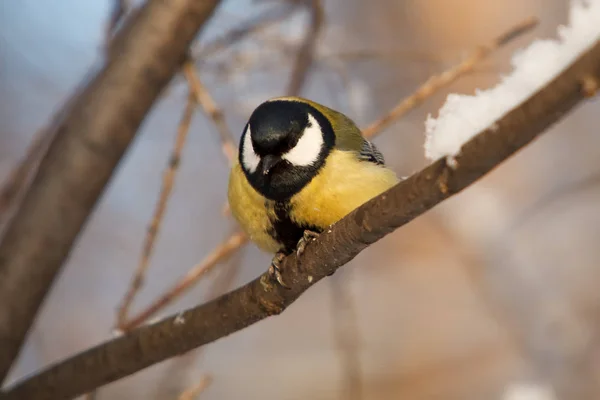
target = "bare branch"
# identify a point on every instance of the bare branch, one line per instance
(219, 254)
(89, 144)
(211, 109)
(159, 212)
(367, 224)
(306, 53)
(436, 82)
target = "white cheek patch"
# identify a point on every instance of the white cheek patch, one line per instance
(249, 157)
(307, 150)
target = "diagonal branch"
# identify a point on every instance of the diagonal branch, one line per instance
(436, 82)
(159, 212)
(219, 254)
(372, 221)
(88, 145)
(211, 109)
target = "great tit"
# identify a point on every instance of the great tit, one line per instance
(301, 167)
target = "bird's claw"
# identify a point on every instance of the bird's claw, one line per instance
(275, 269)
(306, 237)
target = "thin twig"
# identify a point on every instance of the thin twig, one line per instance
(219, 254)
(194, 391)
(224, 281)
(306, 53)
(375, 54)
(437, 82)
(159, 211)
(205, 100)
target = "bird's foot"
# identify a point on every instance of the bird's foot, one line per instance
(306, 237)
(275, 268)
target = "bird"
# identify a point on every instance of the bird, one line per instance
(301, 167)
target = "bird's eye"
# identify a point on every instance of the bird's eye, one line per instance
(250, 159)
(306, 151)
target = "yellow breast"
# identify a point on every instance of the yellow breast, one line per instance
(343, 184)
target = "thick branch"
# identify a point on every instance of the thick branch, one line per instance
(88, 144)
(260, 299)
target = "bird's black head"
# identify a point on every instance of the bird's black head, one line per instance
(284, 144)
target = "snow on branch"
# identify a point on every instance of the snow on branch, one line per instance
(463, 116)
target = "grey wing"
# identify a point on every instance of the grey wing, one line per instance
(370, 153)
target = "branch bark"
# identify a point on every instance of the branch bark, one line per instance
(89, 143)
(260, 299)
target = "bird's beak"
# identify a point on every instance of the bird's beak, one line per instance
(268, 162)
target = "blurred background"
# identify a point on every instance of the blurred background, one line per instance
(494, 288)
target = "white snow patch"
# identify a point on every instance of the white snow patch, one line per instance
(463, 116)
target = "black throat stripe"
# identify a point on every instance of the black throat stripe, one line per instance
(286, 231)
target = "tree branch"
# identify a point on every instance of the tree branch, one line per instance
(220, 253)
(375, 219)
(159, 211)
(89, 143)
(437, 82)
(211, 109)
